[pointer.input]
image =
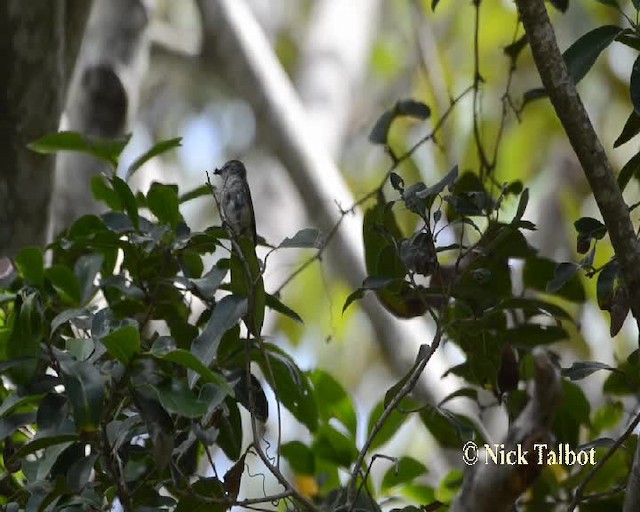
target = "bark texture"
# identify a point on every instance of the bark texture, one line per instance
(39, 41)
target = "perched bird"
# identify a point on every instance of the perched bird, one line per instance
(236, 204)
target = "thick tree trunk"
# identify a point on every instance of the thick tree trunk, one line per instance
(39, 41)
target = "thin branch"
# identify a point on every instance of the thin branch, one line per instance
(578, 495)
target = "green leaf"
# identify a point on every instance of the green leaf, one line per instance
(607, 417)
(123, 343)
(563, 273)
(582, 54)
(127, 199)
(532, 335)
(230, 425)
(30, 263)
(65, 282)
(226, 314)
(380, 130)
(159, 148)
(522, 205)
(86, 392)
(308, 238)
(333, 446)
(634, 86)
(607, 284)
(86, 269)
(538, 272)
(164, 348)
(290, 384)
(446, 182)
(275, 304)
(300, 457)
(413, 108)
(17, 400)
(590, 227)
(450, 430)
(391, 425)
(26, 332)
(163, 202)
(202, 190)
(333, 401)
(107, 150)
(103, 192)
(572, 415)
(405, 471)
(177, 398)
(208, 284)
(581, 369)
(629, 170)
(631, 129)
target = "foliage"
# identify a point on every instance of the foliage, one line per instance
(125, 363)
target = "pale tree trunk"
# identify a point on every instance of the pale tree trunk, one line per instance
(39, 41)
(103, 98)
(234, 44)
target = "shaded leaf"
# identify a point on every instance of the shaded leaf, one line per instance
(634, 86)
(300, 457)
(86, 392)
(107, 150)
(157, 149)
(177, 398)
(305, 239)
(563, 273)
(581, 369)
(333, 401)
(163, 202)
(30, 263)
(582, 54)
(123, 343)
(404, 471)
(631, 129)
(629, 170)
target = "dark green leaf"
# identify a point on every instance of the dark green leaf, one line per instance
(610, 3)
(65, 282)
(413, 108)
(513, 50)
(85, 389)
(449, 429)
(26, 332)
(532, 335)
(333, 401)
(161, 147)
(30, 263)
(177, 398)
(582, 54)
(80, 472)
(86, 270)
(392, 423)
(630, 169)
(631, 129)
(107, 150)
(462, 392)
(538, 272)
(634, 86)
(590, 227)
(522, 205)
(353, 296)
(123, 343)
(202, 190)
(533, 95)
(163, 202)
(208, 284)
(561, 5)
(102, 191)
(606, 285)
(10, 424)
(333, 446)
(380, 130)
(563, 273)
(396, 182)
(65, 316)
(274, 303)
(230, 425)
(299, 456)
(446, 182)
(581, 369)
(127, 199)
(225, 315)
(308, 238)
(404, 471)
(290, 384)
(164, 348)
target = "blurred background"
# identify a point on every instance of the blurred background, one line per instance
(293, 88)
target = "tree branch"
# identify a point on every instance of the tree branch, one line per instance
(584, 140)
(495, 487)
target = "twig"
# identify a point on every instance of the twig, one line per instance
(577, 496)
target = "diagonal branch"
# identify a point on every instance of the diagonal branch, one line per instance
(584, 140)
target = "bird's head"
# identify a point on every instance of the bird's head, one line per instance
(231, 168)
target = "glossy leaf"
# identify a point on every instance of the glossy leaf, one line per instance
(86, 392)
(582, 54)
(127, 199)
(107, 150)
(30, 263)
(404, 471)
(163, 202)
(123, 343)
(177, 398)
(333, 401)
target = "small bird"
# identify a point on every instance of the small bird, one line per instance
(236, 204)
